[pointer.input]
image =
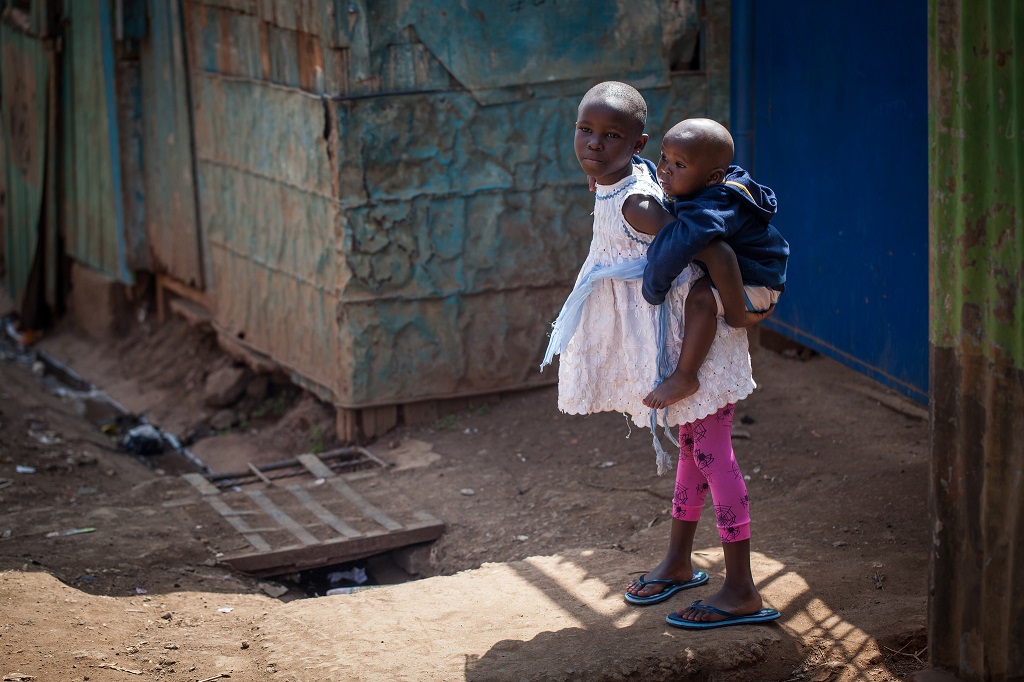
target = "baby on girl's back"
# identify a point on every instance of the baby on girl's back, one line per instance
(719, 217)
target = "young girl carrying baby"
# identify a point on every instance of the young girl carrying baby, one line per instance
(614, 349)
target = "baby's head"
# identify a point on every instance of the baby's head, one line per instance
(694, 154)
(609, 130)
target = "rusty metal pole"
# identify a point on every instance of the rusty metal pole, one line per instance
(976, 216)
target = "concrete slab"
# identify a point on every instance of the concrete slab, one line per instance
(545, 618)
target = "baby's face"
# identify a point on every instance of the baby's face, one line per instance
(680, 170)
(605, 142)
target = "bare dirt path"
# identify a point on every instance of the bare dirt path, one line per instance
(837, 479)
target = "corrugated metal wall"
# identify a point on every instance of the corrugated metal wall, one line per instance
(976, 81)
(94, 217)
(397, 215)
(172, 225)
(30, 221)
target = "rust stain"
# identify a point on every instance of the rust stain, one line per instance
(265, 50)
(310, 59)
(224, 61)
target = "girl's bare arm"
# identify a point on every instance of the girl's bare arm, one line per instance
(645, 214)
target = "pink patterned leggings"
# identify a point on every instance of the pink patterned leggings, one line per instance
(706, 461)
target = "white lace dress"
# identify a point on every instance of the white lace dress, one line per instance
(611, 362)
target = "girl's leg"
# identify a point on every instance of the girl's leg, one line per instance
(687, 503)
(700, 315)
(714, 455)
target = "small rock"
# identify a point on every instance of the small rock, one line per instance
(245, 645)
(225, 386)
(273, 589)
(258, 387)
(223, 419)
(468, 492)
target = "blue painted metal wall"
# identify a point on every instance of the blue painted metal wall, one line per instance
(840, 134)
(397, 216)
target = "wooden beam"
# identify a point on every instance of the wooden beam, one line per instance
(377, 421)
(282, 519)
(297, 558)
(200, 483)
(320, 470)
(319, 511)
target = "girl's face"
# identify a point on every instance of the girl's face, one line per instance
(680, 170)
(605, 142)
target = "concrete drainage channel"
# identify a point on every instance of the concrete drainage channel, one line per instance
(162, 452)
(346, 555)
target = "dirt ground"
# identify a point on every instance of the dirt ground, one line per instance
(837, 470)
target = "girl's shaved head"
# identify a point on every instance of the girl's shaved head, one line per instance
(622, 97)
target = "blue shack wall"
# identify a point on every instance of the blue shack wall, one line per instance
(395, 214)
(840, 132)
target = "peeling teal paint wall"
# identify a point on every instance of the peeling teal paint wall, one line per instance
(396, 217)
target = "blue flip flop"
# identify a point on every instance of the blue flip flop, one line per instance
(762, 616)
(672, 586)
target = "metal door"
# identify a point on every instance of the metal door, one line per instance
(840, 133)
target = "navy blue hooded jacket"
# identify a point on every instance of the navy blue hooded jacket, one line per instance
(723, 211)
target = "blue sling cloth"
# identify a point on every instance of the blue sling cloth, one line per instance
(568, 319)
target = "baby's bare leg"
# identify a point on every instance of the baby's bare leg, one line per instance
(724, 271)
(701, 325)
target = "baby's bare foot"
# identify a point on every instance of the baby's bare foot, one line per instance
(673, 389)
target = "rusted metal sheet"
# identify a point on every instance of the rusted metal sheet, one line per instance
(93, 214)
(25, 77)
(976, 609)
(391, 239)
(227, 42)
(128, 95)
(172, 225)
(270, 221)
(305, 16)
